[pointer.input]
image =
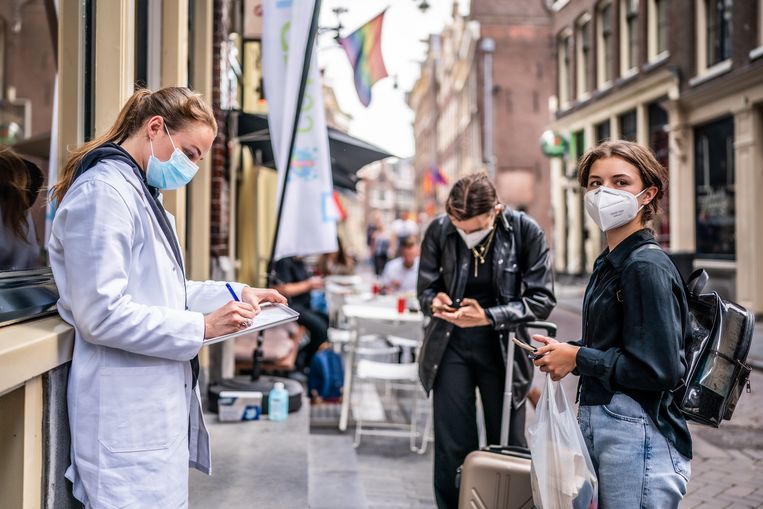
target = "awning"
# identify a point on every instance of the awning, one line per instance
(348, 153)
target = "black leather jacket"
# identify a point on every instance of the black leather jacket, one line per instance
(523, 284)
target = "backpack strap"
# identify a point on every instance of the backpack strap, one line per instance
(697, 281)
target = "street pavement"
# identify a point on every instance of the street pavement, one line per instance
(254, 463)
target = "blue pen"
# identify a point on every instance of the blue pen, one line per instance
(230, 289)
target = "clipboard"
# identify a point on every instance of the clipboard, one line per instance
(271, 315)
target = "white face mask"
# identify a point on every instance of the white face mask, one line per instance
(474, 238)
(612, 208)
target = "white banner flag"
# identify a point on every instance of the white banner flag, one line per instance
(308, 218)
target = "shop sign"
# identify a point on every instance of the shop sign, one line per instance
(553, 144)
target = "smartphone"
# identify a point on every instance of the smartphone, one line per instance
(444, 307)
(529, 348)
(524, 346)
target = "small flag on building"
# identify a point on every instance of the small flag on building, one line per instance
(363, 48)
(438, 177)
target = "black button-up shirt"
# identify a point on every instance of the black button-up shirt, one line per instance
(635, 322)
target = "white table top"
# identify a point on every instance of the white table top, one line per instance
(374, 311)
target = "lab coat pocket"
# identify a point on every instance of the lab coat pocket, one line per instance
(141, 408)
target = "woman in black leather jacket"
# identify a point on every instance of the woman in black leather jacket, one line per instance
(483, 269)
(635, 323)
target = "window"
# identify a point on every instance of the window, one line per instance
(583, 56)
(718, 19)
(628, 126)
(714, 191)
(603, 131)
(27, 81)
(658, 142)
(657, 28)
(605, 44)
(661, 15)
(564, 49)
(629, 35)
(577, 149)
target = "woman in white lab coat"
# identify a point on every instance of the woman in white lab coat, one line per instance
(134, 409)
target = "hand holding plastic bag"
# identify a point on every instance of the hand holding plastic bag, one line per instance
(562, 473)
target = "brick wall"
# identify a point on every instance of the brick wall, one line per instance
(220, 225)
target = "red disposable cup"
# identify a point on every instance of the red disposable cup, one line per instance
(375, 289)
(401, 304)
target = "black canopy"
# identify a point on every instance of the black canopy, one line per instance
(348, 153)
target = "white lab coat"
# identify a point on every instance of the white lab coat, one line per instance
(135, 423)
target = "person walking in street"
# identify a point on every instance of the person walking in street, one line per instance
(483, 269)
(635, 324)
(380, 247)
(134, 407)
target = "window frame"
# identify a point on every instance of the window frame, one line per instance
(583, 55)
(628, 36)
(564, 62)
(655, 27)
(719, 123)
(604, 45)
(718, 46)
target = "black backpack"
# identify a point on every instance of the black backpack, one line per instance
(716, 354)
(720, 335)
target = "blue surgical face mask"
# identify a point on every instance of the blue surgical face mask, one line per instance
(176, 172)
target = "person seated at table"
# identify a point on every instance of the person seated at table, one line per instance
(400, 274)
(293, 280)
(339, 263)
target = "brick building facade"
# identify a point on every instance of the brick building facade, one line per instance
(449, 103)
(684, 77)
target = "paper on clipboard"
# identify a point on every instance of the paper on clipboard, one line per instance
(270, 316)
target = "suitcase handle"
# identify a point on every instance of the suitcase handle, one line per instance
(549, 327)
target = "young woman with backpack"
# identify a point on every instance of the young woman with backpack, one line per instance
(635, 324)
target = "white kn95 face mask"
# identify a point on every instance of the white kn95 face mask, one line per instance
(612, 208)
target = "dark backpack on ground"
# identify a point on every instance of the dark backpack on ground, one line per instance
(716, 353)
(326, 375)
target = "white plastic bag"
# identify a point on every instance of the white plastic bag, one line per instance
(562, 473)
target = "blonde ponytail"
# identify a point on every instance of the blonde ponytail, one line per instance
(178, 106)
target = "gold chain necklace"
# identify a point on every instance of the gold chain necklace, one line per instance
(480, 251)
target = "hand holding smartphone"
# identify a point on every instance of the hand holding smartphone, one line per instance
(443, 308)
(528, 348)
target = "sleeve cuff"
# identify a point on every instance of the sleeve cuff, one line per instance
(493, 319)
(590, 362)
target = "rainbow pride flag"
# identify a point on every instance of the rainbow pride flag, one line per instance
(363, 48)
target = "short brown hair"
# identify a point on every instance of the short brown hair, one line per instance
(471, 196)
(408, 243)
(640, 157)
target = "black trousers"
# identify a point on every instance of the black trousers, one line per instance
(380, 260)
(317, 325)
(469, 361)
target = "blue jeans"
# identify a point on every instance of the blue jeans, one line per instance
(636, 466)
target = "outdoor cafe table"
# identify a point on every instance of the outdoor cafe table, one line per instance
(380, 309)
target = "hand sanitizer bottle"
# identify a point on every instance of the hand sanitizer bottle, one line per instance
(278, 403)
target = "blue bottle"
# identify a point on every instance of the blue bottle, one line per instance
(278, 403)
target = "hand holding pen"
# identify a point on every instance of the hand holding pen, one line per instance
(232, 317)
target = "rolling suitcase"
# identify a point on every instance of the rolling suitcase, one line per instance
(498, 476)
